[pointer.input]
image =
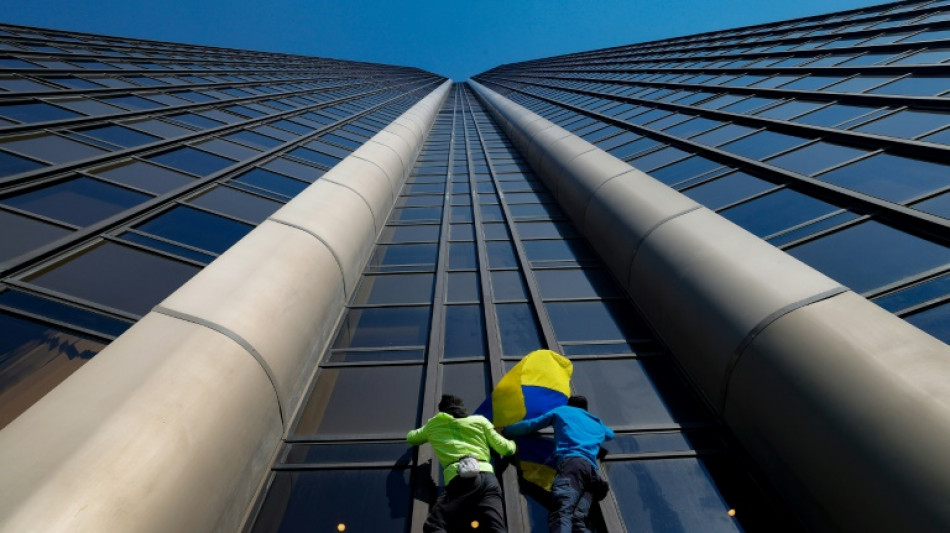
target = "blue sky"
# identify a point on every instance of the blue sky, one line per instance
(455, 38)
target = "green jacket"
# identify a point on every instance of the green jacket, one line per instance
(452, 438)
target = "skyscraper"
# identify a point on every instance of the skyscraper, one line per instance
(739, 238)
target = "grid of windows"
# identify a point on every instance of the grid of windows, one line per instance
(126, 166)
(826, 136)
(476, 267)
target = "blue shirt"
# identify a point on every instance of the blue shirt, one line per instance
(577, 433)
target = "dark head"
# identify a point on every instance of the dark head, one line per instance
(578, 401)
(452, 405)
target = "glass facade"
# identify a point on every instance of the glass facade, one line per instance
(127, 166)
(826, 136)
(476, 267)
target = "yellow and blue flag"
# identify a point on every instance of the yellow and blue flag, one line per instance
(539, 382)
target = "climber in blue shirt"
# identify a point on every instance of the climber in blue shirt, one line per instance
(578, 436)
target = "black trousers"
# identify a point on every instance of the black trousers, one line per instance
(467, 499)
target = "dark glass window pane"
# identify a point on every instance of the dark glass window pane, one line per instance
(562, 251)
(871, 255)
(634, 392)
(468, 381)
(462, 232)
(890, 177)
(349, 452)
(790, 109)
(238, 204)
(464, 331)
(508, 285)
(255, 139)
(314, 157)
(191, 160)
(395, 288)
(54, 310)
(777, 211)
(228, 149)
(462, 255)
(79, 201)
(116, 276)
(51, 148)
(396, 256)
(119, 135)
(723, 134)
(145, 176)
(496, 232)
(518, 328)
(416, 214)
(595, 321)
(915, 294)
(915, 86)
(271, 181)
(196, 228)
(859, 84)
(907, 123)
(501, 254)
(338, 405)
(35, 112)
(763, 144)
(935, 321)
(419, 233)
(680, 490)
(545, 230)
(728, 189)
(575, 283)
(22, 234)
(165, 246)
(322, 500)
(12, 164)
(384, 327)
(463, 287)
(816, 157)
(294, 169)
(34, 358)
(196, 120)
(132, 102)
(379, 355)
(834, 114)
(684, 170)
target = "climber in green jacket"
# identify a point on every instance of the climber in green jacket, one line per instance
(462, 443)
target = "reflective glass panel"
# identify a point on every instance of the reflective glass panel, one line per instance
(395, 288)
(22, 234)
(890, 177)
(80, 201)
(669, 495)
(384, 327)
(518, 328)
(777, 211)
(196, 228)
(237, 204)
(117, 276)
(339, 407)
(325, 500)
(34, 358)
(871, 255)
(464, 331)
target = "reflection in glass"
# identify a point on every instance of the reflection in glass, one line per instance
(464, 331)
(384, 327)
(635, 392)
(395, 288)
(116, 276)
(323, 500)
(518, 328)
(34, 358)
(338, 405)
(669, 495)
(871, 255)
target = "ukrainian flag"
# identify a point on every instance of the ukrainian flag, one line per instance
(539, 382)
